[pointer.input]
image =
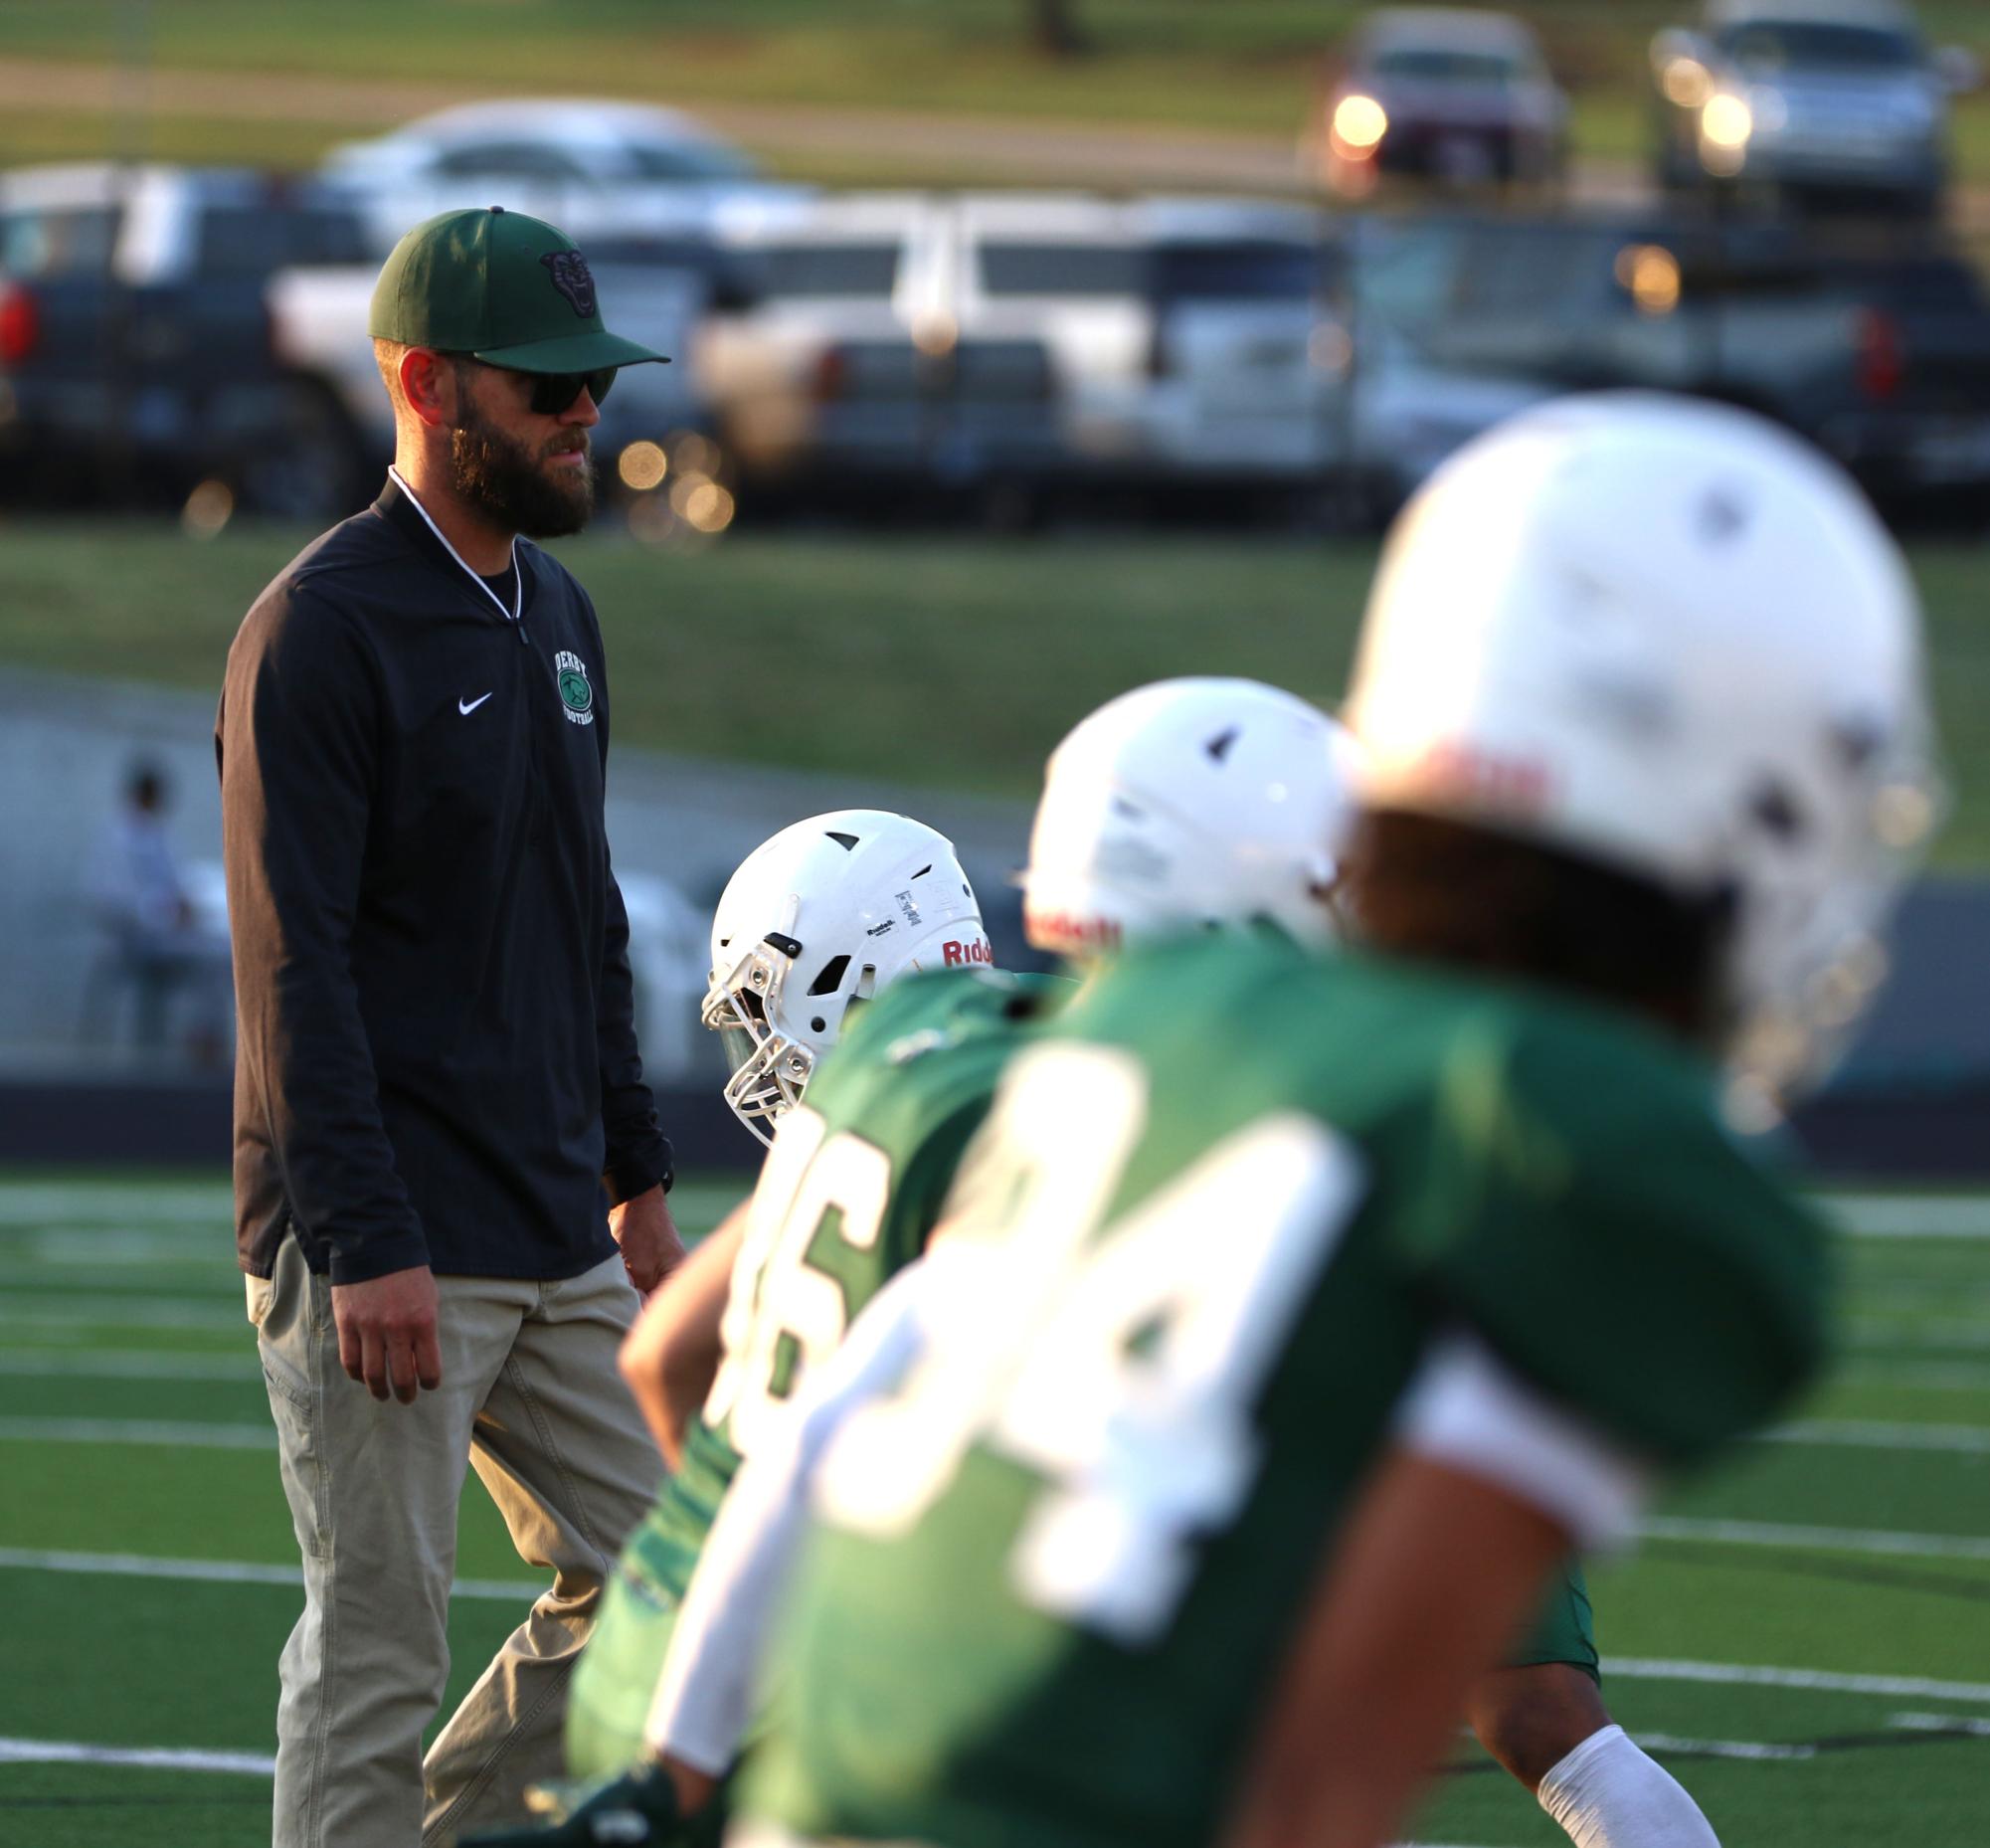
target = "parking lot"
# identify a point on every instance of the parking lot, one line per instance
(1279, 329)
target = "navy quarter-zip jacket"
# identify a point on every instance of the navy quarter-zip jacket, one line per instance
(436, 1059)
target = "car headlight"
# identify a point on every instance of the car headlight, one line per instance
(1726, 122)
(1359, 122)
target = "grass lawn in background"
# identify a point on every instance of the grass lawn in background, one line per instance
(928, 659)
(1238, 66)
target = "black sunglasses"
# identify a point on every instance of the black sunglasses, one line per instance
(553, 392)
(550, 392)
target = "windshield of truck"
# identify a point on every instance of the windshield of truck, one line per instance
(65, 242)
(1766, 46)
(1270, 271)
(1429, 64)
(253, 240)
(825, 269)
(1062, 269)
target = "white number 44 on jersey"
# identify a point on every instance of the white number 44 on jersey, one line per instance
(1121, 1364)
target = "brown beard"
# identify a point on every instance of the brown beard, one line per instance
(508, 484)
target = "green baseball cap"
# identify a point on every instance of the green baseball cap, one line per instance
(505, 289)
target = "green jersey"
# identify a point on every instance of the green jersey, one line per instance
(1231, 1202)
(852, 1186)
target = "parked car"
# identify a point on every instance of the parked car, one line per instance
(1807, 101)
(1876, 347)
(1438, 94)
(135, 350)
(596, 168)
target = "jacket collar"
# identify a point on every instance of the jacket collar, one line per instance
(398, 507)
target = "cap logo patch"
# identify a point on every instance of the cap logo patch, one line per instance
(573, 278)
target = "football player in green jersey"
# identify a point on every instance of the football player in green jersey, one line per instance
(814, 926)
(1188, 804)
(1295, 1316)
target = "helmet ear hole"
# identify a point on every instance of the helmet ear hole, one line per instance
(832, 976)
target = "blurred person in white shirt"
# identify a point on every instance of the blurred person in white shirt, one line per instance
(166, 940)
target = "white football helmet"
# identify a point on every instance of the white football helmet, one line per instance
(1670, 637)
(814, 919)
(1189, 802)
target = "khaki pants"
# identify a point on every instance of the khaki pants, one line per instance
(532, 1398)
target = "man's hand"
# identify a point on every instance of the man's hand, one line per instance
(671, 1355)
(638, 1809)
(387, 1332)
(651, 1248)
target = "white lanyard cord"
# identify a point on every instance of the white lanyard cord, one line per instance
(517, 580)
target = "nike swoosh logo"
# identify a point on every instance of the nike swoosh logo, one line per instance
(468, 706)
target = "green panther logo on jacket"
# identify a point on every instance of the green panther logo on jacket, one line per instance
(576, 693)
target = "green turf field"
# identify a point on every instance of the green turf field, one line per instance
(1802, 1640)
(926, 660)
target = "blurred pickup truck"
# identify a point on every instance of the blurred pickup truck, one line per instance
(135, 346)
(1840, 101)
(1874, 344)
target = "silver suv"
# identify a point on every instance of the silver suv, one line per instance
(1822, 100)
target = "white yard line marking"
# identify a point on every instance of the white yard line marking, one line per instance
(1630, 1668)
(1871, 1434)
(1873, 1334)
(1937, 1375)
(44, 1203)
(47, 1257)
(1722, 1748)
(125, 1312)
(1831, 1538)
(136, 1565)
(141, 1757)
(1813, 1680)
(179, 1433)
(1897, 1215)
(1939, 1723)
(222, 1571)
(116, 1363)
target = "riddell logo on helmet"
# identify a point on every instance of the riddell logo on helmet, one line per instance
(957, 955)
(1065, 930)
(1517, 784)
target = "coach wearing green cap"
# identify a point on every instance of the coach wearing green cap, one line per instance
(450, 1178)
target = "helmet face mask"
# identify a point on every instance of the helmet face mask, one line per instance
(770, 1071)
(1809, 953)
(813, 923)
